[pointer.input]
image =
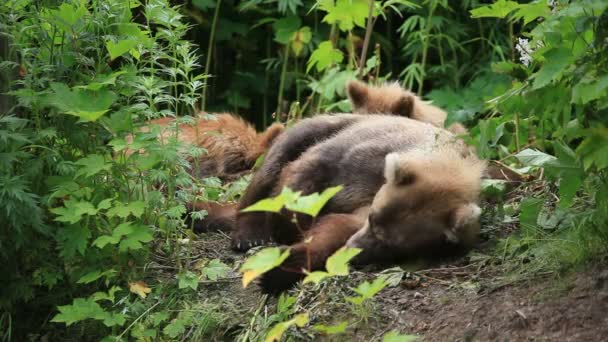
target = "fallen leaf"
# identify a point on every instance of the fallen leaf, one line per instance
(139, 288)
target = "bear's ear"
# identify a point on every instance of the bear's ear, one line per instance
(404, 106)
(395, 171)
(357, 92)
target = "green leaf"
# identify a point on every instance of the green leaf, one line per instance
(367, 290)
(331, 329)
(133, 240)
(277, 331)
(187, 279)
(73, 239)
(530, 209)
(261, 262)
(121, 47)
(594, 149)
(395, 336)
(285, 28)
(92, 165)
(102, 80)
(85, 104)
(529, 12)
(531, 157)
(346, 13)
(73, 211)
(556, 61)
(82, 309)
(104, 240)
(499, 9)
(204, 4)
(493, 188)
(109, 296)
(588, 90)
(313, 203)
(274, 204)
(215, 269)
(337, 263)
(315, 277)
(135, 208)
(324, 56)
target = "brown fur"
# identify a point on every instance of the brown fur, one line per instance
(391, 98)
(232, 144)
(220, 217)
(424, 194)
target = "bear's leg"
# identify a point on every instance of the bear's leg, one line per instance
(327, 236)
(255, 228)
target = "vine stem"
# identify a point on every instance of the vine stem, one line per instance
(368, 35)
(209, 53)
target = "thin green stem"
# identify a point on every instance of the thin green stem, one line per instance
(282, 83)
(425, 48)
(209, 53)
(368, 35)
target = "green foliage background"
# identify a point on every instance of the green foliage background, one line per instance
(80, 218)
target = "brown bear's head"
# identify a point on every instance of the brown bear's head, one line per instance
(389, 98)
(429, 201)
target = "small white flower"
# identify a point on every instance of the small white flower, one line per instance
(524, 49)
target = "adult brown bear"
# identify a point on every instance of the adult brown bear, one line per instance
(409, 187)
(232, 144)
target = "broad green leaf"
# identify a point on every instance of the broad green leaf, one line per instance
(122, 210)
(109, 296)
(73, 239)
(187, 279)
(133, 241)
(369, 290)
(498, 9)
(261, 262)
(277, 331)
(178, 325)
(346, 13)
(73, 211)
(588, 90)
(313, 203)
(92, 165)
(104, 240)
(215, 269)
(556, 61)
(394, 336)
(121, 47)
(274, 204)
(594, 149)
(530, 209)
(531, 157)
(85, 104)
(92, 276)
(315, 277)
(102, 80)
(493, 188)
(324, 56)
(337, 263)
(285, 28)
(529, 12)
(81, 309)
(331, 329)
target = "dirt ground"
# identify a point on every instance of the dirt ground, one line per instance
(463, 299)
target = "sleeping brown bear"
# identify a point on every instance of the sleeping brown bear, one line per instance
(391, 98)
(232, 144)
(409, 188)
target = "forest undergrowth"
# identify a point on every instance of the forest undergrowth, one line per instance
(94, 241)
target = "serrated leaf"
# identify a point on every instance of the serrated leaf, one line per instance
(324, 56)
(313, 203)
(85, 104)
(530, 209)
(73, 239)
(285, 28)
(122, 210)
(346, 13)
(215, 269)
(277, 331)
(92, 165)
(81, 309)
(133, 240)
(121, 47)
(557, 60)
(187, 279)
(337, 263)
(261, 262)
(498, 9)
(140, 288)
